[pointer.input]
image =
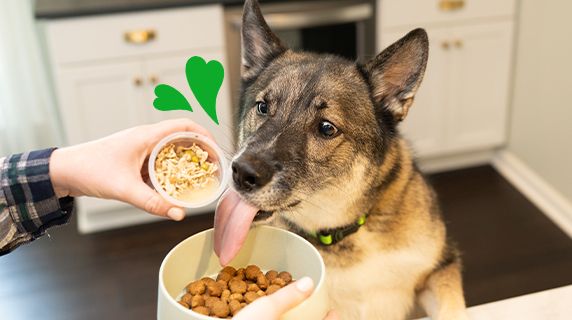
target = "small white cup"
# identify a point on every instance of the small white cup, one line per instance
(216, 155)
(265, 246)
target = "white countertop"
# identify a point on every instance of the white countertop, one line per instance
(553, 304)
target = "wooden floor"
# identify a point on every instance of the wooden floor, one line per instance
(509, 249)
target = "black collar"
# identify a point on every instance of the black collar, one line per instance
(328, 237)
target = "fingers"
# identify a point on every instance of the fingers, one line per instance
(275, 305)
(143, 197)
(165, 128)
(331, 316)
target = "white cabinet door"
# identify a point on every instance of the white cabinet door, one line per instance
(479, 86)
(171, 71)
(425, 125)
(462, 102)
(95, 101)
(99, 99)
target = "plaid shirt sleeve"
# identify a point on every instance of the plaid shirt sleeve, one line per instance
(28, 204)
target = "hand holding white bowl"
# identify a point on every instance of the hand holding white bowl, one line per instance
(113, 167)
(275, 305)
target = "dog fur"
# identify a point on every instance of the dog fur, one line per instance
(400, 258)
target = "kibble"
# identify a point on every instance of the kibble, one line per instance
(197, 287)
(279, 281)
(229, 270)
(252, 272)
(224, 277)
(250, 296)
(214, 289)
(210, 301)
(225, 296)
(234, 306)
(197, 301)
(272, 288)
(202, 310)
(287, 277)
(237, 286)
(261, 281)
(253, 287)
(187, 298)
(223, 284)
(220, 309)
(271, 275)
(236, 296)
(232, 290)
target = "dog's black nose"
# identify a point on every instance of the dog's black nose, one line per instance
(250, 173)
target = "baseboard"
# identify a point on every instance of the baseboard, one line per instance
(553, 204)
(455, 161)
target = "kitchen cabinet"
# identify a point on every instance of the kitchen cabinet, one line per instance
(462, 104)
(98, 100)
(105, 69)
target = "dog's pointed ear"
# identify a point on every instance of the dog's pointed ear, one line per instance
(259, 44)
(395, 74)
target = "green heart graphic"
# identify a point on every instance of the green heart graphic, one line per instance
(169, 98)
(205, 80)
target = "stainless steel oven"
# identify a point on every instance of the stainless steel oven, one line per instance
(342, 27)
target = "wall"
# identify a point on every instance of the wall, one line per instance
(541, 118)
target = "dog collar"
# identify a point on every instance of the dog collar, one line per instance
(328, 237)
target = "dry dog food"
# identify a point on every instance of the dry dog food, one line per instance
(231, 290)
(185, 173)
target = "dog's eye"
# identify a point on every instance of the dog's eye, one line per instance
(327, 129)
(261, 108)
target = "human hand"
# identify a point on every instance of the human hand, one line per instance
(115, 167)
(273, 306)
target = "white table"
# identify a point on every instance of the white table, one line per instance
(553, 304)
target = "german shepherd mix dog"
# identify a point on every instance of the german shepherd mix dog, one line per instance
(321, 156)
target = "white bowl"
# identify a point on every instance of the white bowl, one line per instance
(216, 156)
(266, 247)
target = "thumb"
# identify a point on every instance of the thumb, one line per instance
(143, 197)
(275, 305)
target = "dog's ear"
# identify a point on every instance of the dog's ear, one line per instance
(259, 44)
(395, 74)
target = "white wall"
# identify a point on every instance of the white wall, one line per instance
(541, 117)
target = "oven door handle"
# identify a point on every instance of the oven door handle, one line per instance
(305, 19)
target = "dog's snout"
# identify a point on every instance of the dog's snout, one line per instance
(251, 173)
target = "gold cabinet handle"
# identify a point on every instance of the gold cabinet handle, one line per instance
(451, 5)
(154, 80)
(458, 43)
(137, 81)
(140, 36)
(445, 45)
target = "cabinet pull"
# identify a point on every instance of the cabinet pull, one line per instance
(154, 80)
(445, 45)
(140, 36)
(137, 81)
(451, 5)
(458, 43)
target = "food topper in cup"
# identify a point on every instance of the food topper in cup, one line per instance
(188, 169)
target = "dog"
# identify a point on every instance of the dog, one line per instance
(320, 155)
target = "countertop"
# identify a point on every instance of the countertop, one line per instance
(53, 9)
(553, 304)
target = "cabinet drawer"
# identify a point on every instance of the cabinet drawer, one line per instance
(395, 13)
(121, 35)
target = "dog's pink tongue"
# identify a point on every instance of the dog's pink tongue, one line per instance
(232, 221)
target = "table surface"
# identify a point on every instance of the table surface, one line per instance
(553, 304)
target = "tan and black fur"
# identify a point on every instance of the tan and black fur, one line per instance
(311, 181)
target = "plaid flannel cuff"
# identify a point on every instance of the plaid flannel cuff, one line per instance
(29, 193)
